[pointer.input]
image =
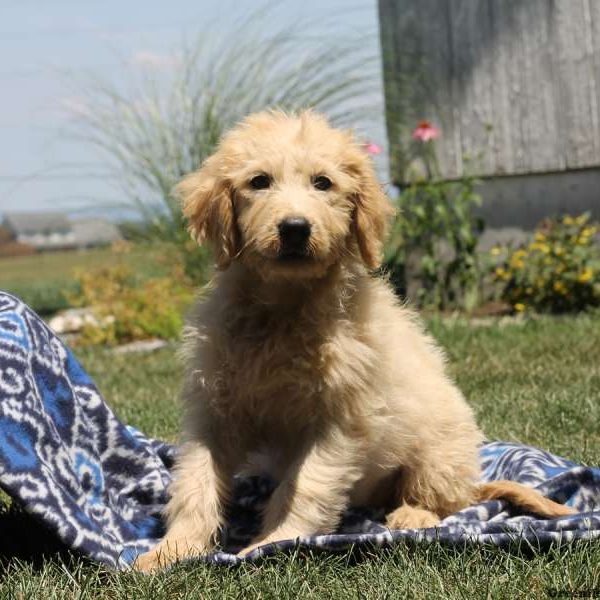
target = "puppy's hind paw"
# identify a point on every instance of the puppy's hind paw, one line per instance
(410, 517)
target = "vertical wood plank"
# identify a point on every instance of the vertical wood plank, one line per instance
(470, 24)
(440, 86)
(400, 51)
(593, 15)
(390, 71)
(576, 85)
(503, 49)
(540, 146)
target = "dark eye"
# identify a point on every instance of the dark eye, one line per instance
(260, 182)
(322, 183)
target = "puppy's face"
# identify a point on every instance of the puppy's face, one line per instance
(289, 196)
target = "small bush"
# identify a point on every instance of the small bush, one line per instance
(559, 271)
(436, 226)
(127, 310)
(45, 297)
(434, 239)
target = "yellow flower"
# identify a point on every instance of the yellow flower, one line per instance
(516, 262)
(559, 251)
(586, 275)
(586, 234)
(541, 247)
(502, 273)
(540, 237)
(495, 251)
(568, 220)
(520, 307)
(559, 287)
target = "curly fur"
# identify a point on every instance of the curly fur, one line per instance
(310, 369)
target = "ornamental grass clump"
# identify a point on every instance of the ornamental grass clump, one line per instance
(557, 272)
(162, 123)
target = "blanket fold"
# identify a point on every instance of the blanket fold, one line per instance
(99, 485)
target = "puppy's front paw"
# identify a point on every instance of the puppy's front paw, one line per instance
(151, 561)
(409, 517)
(167, 553)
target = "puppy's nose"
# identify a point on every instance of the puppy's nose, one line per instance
(294, 233)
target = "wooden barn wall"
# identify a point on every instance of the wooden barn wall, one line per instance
(513, 84)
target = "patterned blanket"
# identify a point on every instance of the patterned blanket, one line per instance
(99, 485)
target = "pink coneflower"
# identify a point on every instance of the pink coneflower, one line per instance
(372, 148)
(425, 132)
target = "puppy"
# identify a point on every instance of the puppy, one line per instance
(300, 354)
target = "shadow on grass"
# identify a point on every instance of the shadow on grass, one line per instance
(24, 538)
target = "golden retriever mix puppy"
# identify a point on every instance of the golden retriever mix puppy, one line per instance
(300, 360)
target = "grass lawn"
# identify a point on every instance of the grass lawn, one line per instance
(537, 383)
(60, 266)
(42, 279)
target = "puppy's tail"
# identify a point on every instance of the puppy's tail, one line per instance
(524, 497)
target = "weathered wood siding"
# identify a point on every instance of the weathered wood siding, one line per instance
(514, 85)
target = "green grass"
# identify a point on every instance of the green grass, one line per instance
(60, 266)
(537, 383)
(43, 280)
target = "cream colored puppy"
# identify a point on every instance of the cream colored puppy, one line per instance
(300, 354)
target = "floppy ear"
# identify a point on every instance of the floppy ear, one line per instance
(372, 211)
(208, 206)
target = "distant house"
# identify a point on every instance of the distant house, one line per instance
(95, 232)
(43, 231)
(55, 231)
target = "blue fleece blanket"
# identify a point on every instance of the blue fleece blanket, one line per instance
(99, 485)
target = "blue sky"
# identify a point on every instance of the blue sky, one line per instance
(47, 49)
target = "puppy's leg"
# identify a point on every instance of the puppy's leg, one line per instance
(314, 493)
(441, 479)
(194, 512)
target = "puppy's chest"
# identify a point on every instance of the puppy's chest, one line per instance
(271, 362)
(277, 357)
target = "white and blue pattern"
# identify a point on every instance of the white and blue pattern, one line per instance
(99, 486)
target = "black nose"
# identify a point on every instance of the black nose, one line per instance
(294, 233)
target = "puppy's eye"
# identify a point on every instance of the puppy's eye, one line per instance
(260, 182)
(322, 183)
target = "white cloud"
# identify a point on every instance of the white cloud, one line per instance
(147, 59)
(75, 105)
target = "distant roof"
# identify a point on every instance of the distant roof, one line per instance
(95, 231)
(32, 223)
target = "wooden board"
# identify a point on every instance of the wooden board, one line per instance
(513, 84)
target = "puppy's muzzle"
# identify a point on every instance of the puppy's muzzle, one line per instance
(294, 233)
